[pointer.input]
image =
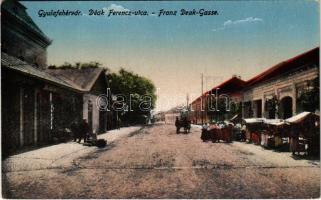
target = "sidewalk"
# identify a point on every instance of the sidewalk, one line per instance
(59, 155)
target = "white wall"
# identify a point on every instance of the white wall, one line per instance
(95, 115)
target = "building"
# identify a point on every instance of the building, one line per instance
(92, 83)
(271, 94)
(283, 83)
(229, 91)
(38, 103)
(21, 37)
(35, 104)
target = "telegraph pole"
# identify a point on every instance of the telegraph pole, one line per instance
(202, 99)
(187, 100)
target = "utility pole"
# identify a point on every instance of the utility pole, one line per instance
(187, 106)
(187, 101)
(202, 99)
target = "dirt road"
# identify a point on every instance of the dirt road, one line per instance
(155, 162)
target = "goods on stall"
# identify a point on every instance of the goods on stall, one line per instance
(238, 133)
(276, 130)
(277, 141)
(264, 138)
(305, 134)
(253, 128)
(217, 132)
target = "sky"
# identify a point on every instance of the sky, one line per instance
(245, 38)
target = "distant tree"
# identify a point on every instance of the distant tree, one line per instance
(77, 65)
(52, 67)
(236, 108)
(134, 88)
(89, 65)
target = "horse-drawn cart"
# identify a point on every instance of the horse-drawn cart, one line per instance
(183, 122)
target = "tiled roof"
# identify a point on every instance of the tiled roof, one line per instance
(285, 66)
(280, 68)
(18, 65)
(83, 78)
(233, 84)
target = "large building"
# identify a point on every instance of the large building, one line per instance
(36, 102)
(282, 83)
(273, 93)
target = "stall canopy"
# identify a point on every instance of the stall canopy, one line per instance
(303, 117)
(236, 119)
(275, 122)
(253, 120)
(305, 123)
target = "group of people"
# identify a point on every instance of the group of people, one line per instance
(81, 131)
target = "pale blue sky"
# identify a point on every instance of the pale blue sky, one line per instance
(245, 38)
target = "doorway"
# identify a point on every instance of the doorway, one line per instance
(286, 107)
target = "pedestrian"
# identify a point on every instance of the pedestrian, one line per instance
(74, 127)
(177, 124)
(83, 131)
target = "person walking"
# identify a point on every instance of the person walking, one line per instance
(74, 127)
(83, 131)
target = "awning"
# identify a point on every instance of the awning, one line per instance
(302, 117)
(253, 120)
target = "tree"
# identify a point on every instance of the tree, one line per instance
(309, 100)
(136, 91)
(271, 107)
(77, 65)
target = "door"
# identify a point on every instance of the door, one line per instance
(90, 115)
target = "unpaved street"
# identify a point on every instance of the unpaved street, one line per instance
(155, 162)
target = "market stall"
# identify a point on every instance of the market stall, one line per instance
(254, 126)
(305, 133)
(275, 133)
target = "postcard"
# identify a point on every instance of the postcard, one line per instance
(160, 99)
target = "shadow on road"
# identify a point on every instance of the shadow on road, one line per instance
(305, 157)
(76, 164)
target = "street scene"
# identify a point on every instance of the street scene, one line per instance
(148, 100)
(155, 162)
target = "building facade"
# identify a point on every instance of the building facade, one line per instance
(271, 94)
(282, 83)
(39, 103)
(35, 104)
(219, 103)
(92, 83)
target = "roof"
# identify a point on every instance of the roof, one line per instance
(237, 116)
(231, 85)
(301, 117)
(274, 122)
(83, 79)
(286, 66)
(235, 84)
(18, 65)
(18, 11)
(254, 120)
